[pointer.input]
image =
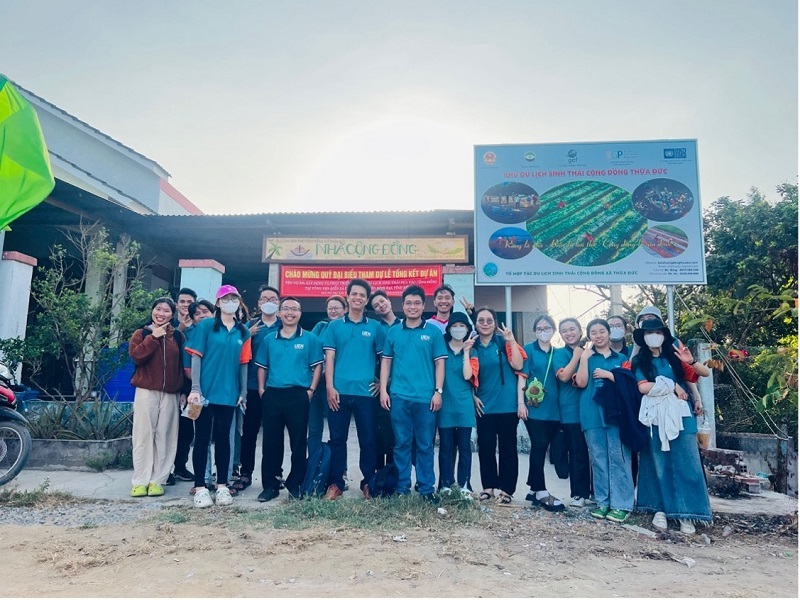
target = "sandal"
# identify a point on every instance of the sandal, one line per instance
(503, 498)
(240, 485)
(549, 503)
(485, 496)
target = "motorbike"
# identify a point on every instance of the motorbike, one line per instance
(15, 439)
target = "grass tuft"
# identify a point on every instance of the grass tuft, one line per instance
(37, 498)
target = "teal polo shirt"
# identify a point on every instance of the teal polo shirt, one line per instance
(386, 326)
(413, 352)
(542, 365)
(357, 345)
(591, 412)
(263, 331)
(222, 352)
(458, 408)
(662, 367)
(289, 361)
(186, 358)
(497, 380)
(569, 395)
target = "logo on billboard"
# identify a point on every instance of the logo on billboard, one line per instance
(674, 153)
(489, 158)
(490, 269)
(572, 157)
(530, 156)
(621, 156)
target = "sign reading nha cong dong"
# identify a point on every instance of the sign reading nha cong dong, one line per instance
(443, 249)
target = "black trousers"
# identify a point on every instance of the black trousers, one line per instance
(384, 440)
(541, 434)
(185, 437)
(578, 460)
(497, 433)
(220, 417)
(250, 426)
(284, 409)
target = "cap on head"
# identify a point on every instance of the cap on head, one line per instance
(225, 290)
(649, 310)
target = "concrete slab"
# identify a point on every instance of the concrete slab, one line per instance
(115, 485)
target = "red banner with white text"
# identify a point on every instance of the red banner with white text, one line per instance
(321, 282)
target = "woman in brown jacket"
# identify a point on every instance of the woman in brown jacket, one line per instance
(156, 352)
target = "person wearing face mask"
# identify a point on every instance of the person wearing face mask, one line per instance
(156, 352)
(456, 418)
(265, 321)
(220, 349)
(671, 482)
(611, 459)
(618, 327)
(569, 400)
(538, 407)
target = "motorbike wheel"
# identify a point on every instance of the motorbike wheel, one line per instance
(15, 446)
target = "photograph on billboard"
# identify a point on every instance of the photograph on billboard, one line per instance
(588, 213)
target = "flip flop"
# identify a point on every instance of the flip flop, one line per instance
(549, 503)
(485, 496)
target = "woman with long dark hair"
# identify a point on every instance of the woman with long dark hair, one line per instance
(538, 408)
(156, 352)
(500, 357)
(220, 349)
(611, 459)
(671, 483)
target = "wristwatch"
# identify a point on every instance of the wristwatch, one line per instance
(439, 390)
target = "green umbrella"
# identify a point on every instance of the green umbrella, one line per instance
(25, 175)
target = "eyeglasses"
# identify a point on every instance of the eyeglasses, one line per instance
(485, 321)
(290, 309)
(413, 303)
(544, 330)
(272, 299)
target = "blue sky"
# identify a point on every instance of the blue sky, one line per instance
(267, 106)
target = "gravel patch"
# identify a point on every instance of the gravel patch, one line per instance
(84, 514)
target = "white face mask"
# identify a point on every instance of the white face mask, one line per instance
(544, 336)
(616, 334)
(229, 307)
(269, 308)
(654, 340)
(458, 333)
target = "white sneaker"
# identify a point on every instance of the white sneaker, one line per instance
(577, 502)
(466, 494)
(224, 497)
(687, 526)
(202, 499)
(660, 521)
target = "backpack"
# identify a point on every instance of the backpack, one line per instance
(317, 472)
(383, 482)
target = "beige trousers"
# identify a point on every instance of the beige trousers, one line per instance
(155, 435)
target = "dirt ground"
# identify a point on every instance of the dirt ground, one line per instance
(512, 552)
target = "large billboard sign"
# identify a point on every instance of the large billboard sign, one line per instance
(588, 213)
(420, 249)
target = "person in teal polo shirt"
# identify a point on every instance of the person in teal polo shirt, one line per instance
(611, 459)
(290, 363)
(264, 323)
(352, 346)
(538, 408)
(414, 356)
(220, 349)
(384, 436)
(500, 358)
(569, 400)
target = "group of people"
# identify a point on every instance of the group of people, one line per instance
(403, 380)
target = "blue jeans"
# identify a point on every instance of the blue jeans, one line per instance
(673, 482)
(413, 423)
(362, 408)
(450, 438)
(611, 468)
(232, 448)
